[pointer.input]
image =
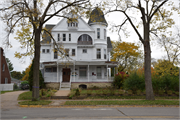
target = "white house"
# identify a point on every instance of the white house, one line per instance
(88, 49)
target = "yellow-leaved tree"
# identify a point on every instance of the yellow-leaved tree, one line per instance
(27, 73)
(165, 67)
(127, 55)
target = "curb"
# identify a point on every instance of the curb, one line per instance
(93, 106)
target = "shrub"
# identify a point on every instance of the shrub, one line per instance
(166, 82)
(134, 82)
(15, 87)
(118, 79)
(30, 78)
(77, 93)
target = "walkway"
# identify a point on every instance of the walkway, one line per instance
(9, 100)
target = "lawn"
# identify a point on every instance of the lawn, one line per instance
(124, 102)
(25, 96)
(2, 92)
(41, 102)
(42, 93)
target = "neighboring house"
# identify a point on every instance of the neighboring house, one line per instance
(5, 77)
(16, 81)
(88, 48)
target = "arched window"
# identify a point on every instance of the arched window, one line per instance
(85, 40)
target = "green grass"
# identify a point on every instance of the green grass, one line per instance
(131, 97)
(25, 96)
(2, 92)
(124, 102)
(41, 102)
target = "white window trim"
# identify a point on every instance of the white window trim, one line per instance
(83, 51)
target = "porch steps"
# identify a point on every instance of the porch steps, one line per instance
(65, 86)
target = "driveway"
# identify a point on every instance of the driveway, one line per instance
(9, 99)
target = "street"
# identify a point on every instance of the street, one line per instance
(128, 113)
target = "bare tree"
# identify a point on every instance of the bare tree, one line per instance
(148, 14)
(37, 13)
(171, 46)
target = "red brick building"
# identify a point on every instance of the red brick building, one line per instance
(5, 77)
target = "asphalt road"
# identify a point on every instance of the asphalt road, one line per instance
(127, 113)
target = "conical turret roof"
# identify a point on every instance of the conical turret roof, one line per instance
(97, 16)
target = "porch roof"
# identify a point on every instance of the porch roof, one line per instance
(109, 63)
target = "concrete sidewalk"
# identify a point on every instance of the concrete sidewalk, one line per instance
(62, 93)
(9, 100)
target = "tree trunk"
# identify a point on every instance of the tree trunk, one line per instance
(35, 90)
(147, 64)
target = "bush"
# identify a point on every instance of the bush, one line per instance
(134, 82)
(119, 79)
(30, 78)
(166, 83)
(77, 93)
(15, 87)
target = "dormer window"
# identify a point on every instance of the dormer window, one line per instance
(73, 23)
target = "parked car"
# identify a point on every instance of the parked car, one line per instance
(24, 85)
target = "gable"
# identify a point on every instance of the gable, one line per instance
(63, 26)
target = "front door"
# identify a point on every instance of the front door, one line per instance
(66, 74)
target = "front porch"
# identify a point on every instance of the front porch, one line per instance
(78, 72)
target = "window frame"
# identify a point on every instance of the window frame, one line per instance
(73, 52)
(104, 33)
(6, 80)
(69, 37)
(98, 33)
(98, 53)
(64, 37)
(43, 50)
(47, 51)
(55, 54)
(82, 69)
(67, 52)
(84, 50)
(105, 56)
(58, 36)
(99, 75)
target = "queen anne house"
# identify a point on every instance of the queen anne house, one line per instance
(88, 49)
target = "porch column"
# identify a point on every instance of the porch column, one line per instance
(88, 72)
(57, 72)
(74, 72)
(107, 72)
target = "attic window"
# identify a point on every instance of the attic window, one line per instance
(72, 23)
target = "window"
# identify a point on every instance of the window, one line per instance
(69, 37)
(58, 37)
(6, 80)
(48, 70)
(82, 72)
(85, 39)
(47, 50)
(98, 53)
(64, 37)
(104, 33)
(3, 67)
(73, 52)
(84, 50)
(43, 50)
(54, 69)
(98, 33)
(98, 72)
(104, 53)
(55, 54)
(67, 52)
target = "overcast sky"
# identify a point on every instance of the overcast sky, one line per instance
(18, 65)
